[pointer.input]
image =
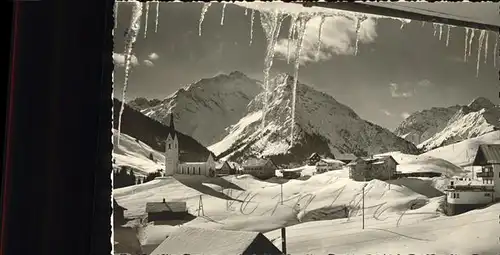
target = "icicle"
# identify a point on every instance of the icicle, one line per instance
(252, 16)
(466, 43)
(440, 31)
(423, 23)
(318, 49)
(358, 21)
(291, 30)
(486, 48)
(479, 48)
(495, 51)
(116, 14)
(435, 28)
(448, 35)
(246, 11)
(133, 31)
(271, 23)
(222, 16)
(204, 10)
(146, 19)
(301, 29)
(157, 15)
(470, 40)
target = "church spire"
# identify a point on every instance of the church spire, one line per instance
(172, 127)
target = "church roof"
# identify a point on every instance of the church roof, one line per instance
(172, 131)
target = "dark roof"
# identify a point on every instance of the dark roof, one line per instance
(117, 206)
(166, 207)
(487, 154)
(186, 240)
(257, 162)
(172, 131)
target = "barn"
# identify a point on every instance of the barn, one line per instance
(164, 212)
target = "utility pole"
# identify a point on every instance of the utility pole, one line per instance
(201, 212)
(363, 205)
(281, 193)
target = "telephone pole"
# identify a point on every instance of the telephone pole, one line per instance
(201, 212)
(363, 205)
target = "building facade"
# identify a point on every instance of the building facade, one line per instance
(376, 167)
(174, 166)
(260, 168)
(313, 159)
(461, 198)
(488, 158)
(224, 168)
(325, 165)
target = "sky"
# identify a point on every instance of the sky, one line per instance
(396, 71)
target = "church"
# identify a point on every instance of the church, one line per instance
(174, 166)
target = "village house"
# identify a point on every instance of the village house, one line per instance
(467, 194)
(173, 165)
(291, 173)
(126, 242)
(164, 212)
(344, 157)
(375, 167)
(118, 213)
(186, 240)
(260, 168)
(224, 168)
(325, 165)
(313, 159)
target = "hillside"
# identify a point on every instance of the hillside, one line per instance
(422, 125)
(154, 134)
(480, 117)
(323, 125)
(204, 109)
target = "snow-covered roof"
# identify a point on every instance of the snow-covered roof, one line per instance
(255, 162)
(331, 161)
(345, 156)
(187, 240)
(166, 207)
(117, 206)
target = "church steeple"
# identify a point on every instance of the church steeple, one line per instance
(172, 126)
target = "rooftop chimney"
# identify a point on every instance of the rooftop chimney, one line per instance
(283, 241)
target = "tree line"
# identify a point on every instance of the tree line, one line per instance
(124, 177)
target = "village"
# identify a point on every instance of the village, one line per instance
(477, 189)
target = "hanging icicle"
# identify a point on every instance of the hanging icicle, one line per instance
(495, 50)
(222, 16)
(271, 24)
(423, 23)
(435, 28)
(480, 42)
(252, 16)
(466, 43)
(157, 15)
(318, 49)
(291, 30)
(301, 29)
(246, 11)
(357, 23)
(204, 10)
(448, 35)
(440, 31)
(146, 5)
(486, 47)
(116, 14)
(470, 40)
(132, 33)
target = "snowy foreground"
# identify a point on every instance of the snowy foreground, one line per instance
(390, 225)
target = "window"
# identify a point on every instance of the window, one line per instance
(169, 146)
(487, 194)
(458, 195)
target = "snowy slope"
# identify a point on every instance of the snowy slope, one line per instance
(203, 110)
(135, 154)
(478, 118)
(422, 125)
(323, 125)
(463, 153)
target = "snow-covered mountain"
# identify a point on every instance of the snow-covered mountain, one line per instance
(323, 125)
(422, 125)
(479, 117)
(204, 109)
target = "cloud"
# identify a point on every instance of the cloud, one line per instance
(119, 59)
(386, 112)
(148, 62)
(337, 38)
(153, 56)
(405, 115)
(397, 91)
